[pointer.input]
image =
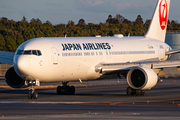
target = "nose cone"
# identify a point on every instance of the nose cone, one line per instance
(22, 64)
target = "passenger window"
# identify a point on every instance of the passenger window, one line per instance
(27, 52)
(34, 52)
(19, 52)
(39, 52)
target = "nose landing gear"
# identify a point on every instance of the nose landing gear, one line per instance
(32, 94)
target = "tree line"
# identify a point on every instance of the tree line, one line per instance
(13, 33)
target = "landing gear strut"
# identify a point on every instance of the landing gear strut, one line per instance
(65, 89)
(32, 94)
(130, 91)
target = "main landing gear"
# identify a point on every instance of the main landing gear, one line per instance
(65, 89)
(130, 91)
(32, 94)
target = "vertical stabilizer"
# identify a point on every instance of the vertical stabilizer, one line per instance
(158, 26)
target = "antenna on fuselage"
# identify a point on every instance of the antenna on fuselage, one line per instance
(65, 35)
(129, 34)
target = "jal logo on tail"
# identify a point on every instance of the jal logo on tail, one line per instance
(163, 14)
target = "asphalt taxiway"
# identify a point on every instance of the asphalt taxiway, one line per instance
(93, 100)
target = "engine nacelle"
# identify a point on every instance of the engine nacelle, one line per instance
(142, 78)
(13, 80)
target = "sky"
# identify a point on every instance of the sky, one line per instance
(92, 11)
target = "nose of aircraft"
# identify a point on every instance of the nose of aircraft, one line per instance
(22, 63)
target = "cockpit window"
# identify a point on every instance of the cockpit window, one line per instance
(34, 52)
(19, 52)
(29, 52)
(39, 52)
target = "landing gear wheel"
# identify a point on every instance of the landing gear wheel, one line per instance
(138, 92)
(30, 95)
(35, 95)
(142, 92)
(59, 90)
(68, 90)
(72, 89)
(65, 90)
(129, 91)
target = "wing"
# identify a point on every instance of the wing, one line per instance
(6, 57)
(174, 51)
(158, 67)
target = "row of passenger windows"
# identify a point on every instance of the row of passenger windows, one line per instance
(80, 54)
(110, 53)
(29, 52)
(131, 52)
(71, 54)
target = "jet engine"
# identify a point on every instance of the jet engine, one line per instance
(142, 78)
(13, 80)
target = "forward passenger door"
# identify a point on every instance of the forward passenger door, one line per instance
(54, 55)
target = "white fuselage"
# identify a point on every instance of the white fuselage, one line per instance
(72, 59)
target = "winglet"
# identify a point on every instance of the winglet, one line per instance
(158, 26)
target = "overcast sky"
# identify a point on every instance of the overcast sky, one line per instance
(92, 11)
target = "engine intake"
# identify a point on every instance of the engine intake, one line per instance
(13, 80)
(142, 78)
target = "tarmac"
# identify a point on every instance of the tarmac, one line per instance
(102, 99)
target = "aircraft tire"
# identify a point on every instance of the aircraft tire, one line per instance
(142, 92)
(59, 89)
(30, 95)
(129, 91)
(66, 90)
(72, 90)
(35, 95)
(138, 92)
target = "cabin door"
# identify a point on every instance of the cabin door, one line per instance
(54, 55)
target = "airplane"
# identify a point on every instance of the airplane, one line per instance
(64, 59)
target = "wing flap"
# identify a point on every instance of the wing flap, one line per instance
(6, 57)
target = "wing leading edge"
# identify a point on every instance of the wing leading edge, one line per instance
(106, 68)
(174, 51)
(6, 57)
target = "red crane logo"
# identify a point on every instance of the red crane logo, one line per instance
(163, 14)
